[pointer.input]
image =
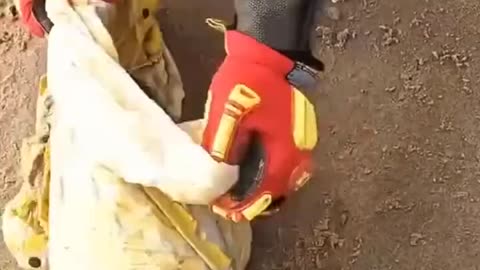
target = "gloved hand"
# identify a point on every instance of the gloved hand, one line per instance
(257, 116)
(34, 17)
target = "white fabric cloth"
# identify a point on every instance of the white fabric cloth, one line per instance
(105, 129)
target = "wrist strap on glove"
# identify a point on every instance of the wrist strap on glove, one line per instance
(302, 74)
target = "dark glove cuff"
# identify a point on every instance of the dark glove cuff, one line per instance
(40, 14)
(281, 24)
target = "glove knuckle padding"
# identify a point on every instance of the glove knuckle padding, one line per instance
(240, 101)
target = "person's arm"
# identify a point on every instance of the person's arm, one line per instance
(284, 25)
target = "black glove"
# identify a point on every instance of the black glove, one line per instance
(284, 25)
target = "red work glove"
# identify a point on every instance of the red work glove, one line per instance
(34, 16)
(258, 119)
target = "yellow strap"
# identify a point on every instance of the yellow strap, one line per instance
(41, 212)
(44, 195)
(43, 85)
(187, 227)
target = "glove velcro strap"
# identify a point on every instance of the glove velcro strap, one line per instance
(302, 76)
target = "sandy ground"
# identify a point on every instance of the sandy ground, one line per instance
(398, 180)
(22, 61)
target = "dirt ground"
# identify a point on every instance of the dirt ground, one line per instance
(398, 179)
